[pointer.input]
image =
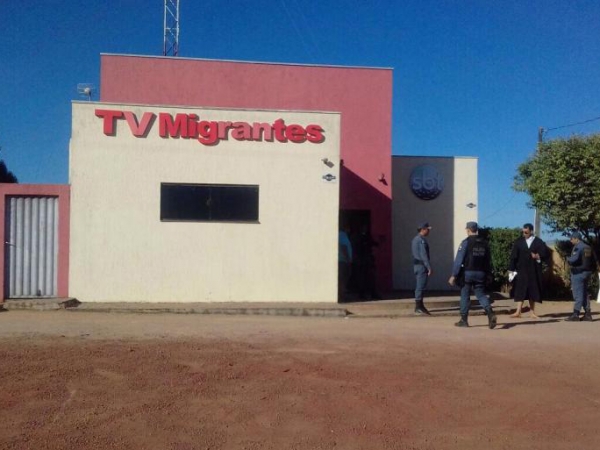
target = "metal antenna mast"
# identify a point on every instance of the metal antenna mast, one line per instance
(171, 41)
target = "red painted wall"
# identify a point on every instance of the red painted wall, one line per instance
(362, 95)
(63, 192)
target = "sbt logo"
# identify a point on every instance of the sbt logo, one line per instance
(426, 182)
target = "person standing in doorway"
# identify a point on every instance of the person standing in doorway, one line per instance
(525, 265)
(582, 266)
(344, 263)
(473, 258)
(421, 266)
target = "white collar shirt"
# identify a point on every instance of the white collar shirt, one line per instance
(529, 240)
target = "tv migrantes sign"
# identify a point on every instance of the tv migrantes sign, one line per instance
(208, 132)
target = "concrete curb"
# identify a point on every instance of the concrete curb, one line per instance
(382, 309)
(39, 304)
(276, 311)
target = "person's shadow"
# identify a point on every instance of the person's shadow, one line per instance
(544, 319)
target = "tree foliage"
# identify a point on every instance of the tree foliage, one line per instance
(6, 176)
(563, 181)
(501, 241)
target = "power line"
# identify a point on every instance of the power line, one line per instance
(295, 25)
(545, 130)
(499, 209)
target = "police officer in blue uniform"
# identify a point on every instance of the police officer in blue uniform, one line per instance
(473, 261)
(421, 266)
(582, 266)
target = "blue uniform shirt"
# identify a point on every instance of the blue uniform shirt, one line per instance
(460, 257)
(581, 257)
(420, 250)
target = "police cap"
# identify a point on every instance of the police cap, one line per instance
(424, 226)
(472, 226)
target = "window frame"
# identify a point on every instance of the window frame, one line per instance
(210, 186)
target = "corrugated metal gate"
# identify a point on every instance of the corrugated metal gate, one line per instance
(31, 246)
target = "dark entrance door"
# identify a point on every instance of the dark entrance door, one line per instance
(354, 220)
(357, 222)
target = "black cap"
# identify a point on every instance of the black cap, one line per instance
(472, 226)
(423, 226)
(575, 235)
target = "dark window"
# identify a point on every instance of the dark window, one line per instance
(208, 202)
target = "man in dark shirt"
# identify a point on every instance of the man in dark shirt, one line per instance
(582, 265)
(473, 259)
(421, 266)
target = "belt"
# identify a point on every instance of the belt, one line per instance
(418, 262)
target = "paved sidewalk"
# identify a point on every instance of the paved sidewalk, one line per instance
(396, 306)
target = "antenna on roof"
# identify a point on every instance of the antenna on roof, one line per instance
(85, 90)
(171, 28)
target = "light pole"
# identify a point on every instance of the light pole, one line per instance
(536, 215)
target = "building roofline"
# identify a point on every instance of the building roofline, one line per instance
(333, 66)
(210, 108)
(435, 157)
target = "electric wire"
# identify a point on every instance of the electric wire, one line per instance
(307, 26)
(499, 209)
(570, 125)
(295, 25)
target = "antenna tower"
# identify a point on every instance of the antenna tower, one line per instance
(171, 41)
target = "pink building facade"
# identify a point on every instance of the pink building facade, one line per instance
(363, 96)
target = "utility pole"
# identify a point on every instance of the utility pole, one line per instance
(536, 215)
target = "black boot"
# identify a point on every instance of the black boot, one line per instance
(491, 317)
(420, 309)
(463, 322)
(573, 317)
(587, 316)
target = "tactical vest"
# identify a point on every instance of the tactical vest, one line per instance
(478, 255)
(587, 258)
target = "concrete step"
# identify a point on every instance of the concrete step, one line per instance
(39, 304)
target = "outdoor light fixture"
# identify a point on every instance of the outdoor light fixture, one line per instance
(471, 205)
(327, 162)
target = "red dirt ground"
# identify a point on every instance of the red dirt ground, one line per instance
(101, 381)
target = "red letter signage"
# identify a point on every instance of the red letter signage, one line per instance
(208, 132)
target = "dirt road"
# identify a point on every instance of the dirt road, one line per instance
(127, 381)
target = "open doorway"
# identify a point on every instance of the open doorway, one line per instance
(355, 219)
(361, 284)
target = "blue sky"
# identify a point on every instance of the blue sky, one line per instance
(471, 78)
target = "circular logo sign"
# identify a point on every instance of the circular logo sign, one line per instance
(426, 182)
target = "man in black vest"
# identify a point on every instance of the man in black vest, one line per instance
(582, 265)
(474, 259)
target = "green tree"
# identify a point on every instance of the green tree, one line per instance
(563, 181)
(501, 241)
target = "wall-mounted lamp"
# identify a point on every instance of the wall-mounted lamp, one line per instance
(327, 162)
(382, 179)
(471, 205)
